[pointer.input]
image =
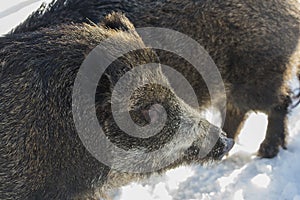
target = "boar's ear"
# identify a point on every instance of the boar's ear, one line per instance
(117, 21)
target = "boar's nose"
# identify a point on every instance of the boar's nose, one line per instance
(227, 142)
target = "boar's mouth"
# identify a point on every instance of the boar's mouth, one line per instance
(220, 149)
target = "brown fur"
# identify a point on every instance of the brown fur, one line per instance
(254, 43)
(41, 154)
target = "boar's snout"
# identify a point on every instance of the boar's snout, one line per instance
(225, 144)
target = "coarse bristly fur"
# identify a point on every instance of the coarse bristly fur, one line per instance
(254, 44)
(41, 154)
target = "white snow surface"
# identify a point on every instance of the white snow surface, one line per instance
(239, 176)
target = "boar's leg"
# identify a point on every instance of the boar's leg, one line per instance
(234, 120)
(276, 130)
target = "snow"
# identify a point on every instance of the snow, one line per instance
(240, 176)
(13, 12)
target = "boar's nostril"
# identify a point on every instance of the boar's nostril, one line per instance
(228, 144)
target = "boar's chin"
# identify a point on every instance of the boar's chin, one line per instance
(220, 149)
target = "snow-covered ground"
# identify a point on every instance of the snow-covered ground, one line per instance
(240, 176)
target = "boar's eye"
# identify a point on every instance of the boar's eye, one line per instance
(153, 113)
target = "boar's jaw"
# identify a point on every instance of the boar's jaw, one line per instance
(209, 141)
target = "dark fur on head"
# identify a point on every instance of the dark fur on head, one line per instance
(254, 44)
(41, 154)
